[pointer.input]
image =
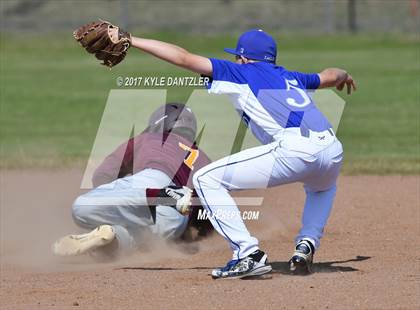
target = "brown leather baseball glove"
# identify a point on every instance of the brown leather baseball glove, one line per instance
(109, 43)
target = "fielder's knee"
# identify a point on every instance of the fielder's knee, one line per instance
(195, 179)
(207, 178)
(201, 179)
(320, 189)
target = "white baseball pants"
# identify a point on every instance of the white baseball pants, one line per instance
(123, 204)
(315, 161)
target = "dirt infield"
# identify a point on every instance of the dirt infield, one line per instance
(367, 260)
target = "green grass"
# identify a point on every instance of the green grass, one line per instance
(53, 95)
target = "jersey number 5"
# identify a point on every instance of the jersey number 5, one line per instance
(192, 156)
(296, 93)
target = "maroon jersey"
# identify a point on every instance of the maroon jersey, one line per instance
(170, 153)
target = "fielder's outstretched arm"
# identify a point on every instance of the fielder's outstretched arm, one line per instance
(338, 78)
(331, 77)
(174, 55)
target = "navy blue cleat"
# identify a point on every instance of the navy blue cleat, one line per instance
(253, 265)
(301, 261)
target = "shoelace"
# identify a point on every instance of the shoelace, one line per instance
(230, 264)
(243, 264)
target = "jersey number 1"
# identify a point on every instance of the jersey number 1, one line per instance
(192, 156)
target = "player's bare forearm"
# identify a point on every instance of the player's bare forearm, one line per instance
(338, 78)
(174, 54)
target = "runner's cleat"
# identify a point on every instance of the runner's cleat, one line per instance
(79, 244)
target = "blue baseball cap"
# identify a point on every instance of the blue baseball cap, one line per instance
(255, 44)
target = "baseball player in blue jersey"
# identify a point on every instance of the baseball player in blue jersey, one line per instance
(298, 144)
